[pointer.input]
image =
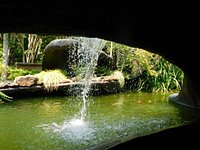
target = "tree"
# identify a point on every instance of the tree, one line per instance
(34, 45)
(5, 48)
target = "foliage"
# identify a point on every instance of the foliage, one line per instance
(3, 72)
(46, 39)
(14, 72)
(149, 71)
(16, 47)
(27, 47)
(103, 71)
(1, 51)
(156, 73)
(10, 73)
(170, 77)
(5, 97)
(34, 48)
(120, 54)
(51, 78)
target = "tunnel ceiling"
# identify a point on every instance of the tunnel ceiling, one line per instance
(167, 28)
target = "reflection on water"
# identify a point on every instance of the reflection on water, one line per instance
(56, 122)
(75, 130)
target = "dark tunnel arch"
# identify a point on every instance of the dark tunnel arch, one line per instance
(170, 29)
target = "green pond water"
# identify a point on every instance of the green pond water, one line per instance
(57, 123)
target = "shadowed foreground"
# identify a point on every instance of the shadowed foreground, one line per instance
(181, 137)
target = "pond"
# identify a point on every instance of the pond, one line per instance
(60, 122)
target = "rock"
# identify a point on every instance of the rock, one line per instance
(28, 80)
(63, 54)
(67, 81)
(7, 84)
(64, 50)
(105, 60)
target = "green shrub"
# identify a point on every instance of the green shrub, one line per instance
(14, 72)
(158, 74)
(103, 71)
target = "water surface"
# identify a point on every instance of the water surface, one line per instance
(59, 123)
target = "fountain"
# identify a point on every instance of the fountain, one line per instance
(87, 56)
(78, 128)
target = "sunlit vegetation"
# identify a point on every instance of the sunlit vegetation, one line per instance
(51, 79)
(154, 73)
(142, 70)
(10, 73)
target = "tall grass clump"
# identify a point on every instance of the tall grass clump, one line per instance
(51, 79)
(119, 75)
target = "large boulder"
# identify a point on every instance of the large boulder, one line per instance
(105, 60)
(63, 54)
(60, 54)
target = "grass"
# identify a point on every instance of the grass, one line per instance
(51, 79)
